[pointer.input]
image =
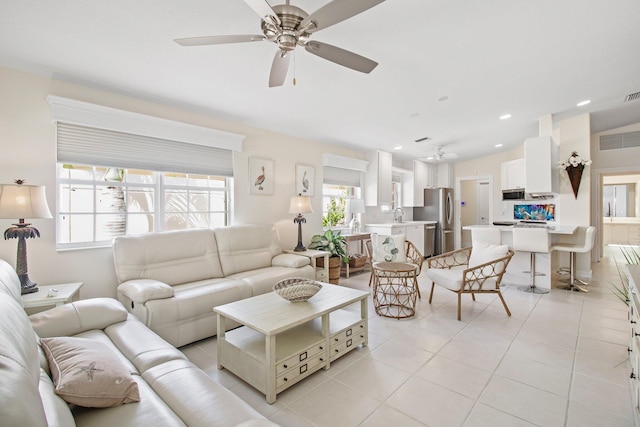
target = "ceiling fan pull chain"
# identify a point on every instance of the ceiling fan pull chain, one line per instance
(294, 67)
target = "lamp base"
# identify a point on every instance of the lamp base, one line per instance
(28, 287)
(299, 248)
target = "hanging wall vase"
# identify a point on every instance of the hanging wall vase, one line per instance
(575, 176)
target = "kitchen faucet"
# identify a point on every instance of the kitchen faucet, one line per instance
(398, 218)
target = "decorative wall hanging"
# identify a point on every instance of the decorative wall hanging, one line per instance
(261, 176)
(305, 180)
(574, 166)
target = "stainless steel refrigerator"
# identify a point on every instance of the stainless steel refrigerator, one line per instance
(438, 206)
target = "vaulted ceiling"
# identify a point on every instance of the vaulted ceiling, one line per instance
(447, 69)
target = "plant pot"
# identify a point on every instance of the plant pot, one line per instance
(334, 268)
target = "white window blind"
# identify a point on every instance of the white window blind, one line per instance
(340, 176)
(94, 146)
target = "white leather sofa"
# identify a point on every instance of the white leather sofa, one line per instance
(172, 280)
(172, 391)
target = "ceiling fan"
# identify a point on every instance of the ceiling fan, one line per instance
(289, 26)
(440, 155)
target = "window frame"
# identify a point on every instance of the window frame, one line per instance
(159, 187)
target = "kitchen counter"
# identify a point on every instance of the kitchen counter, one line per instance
(400, 224)
(520, 261)
(555, 229)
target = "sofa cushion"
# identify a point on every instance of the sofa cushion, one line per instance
(9, 281)
(143, 290)
(246, 247)
(172, 257)
(77, 317)
(150, 411)
(193, 395)
(56, 409)
(262, 280)
(19, 367)
(88, 373)
(290, 260)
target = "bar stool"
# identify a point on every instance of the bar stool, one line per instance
(487, 235)
(533, 240)
(586, 246)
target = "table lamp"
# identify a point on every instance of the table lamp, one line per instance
(300, 204)
(357, 207)
(23, 201)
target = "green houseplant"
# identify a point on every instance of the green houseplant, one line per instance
(335, 244)
(633, 258)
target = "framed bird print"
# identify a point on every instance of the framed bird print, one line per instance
(305, 180)
(261, 176)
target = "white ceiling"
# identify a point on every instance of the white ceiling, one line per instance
(489, 58)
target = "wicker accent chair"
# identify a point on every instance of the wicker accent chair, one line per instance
(451, 271)
(414, 256)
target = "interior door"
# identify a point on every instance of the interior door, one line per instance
(482, 194)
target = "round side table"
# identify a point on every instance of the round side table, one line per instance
(395, 289)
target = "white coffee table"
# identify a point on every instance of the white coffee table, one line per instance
(283, 342)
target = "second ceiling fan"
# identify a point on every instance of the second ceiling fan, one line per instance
(289, 26)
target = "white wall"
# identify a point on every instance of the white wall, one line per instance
(27, 138)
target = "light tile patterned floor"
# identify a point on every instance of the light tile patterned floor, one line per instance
(560, 360)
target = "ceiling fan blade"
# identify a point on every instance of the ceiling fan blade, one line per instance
(207, 40)
(262, 8)
(449, 155)
(341, 56)
(335, 12)
(279, 68)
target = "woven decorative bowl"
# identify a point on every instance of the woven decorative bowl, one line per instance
(297, 289)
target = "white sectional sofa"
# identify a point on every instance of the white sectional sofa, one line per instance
(172, 391)
(172, 280)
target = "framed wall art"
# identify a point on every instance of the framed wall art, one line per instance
(305, 180)
(261, 176)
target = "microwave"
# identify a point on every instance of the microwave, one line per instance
(513, 194)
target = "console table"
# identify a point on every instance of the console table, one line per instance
(356, 237)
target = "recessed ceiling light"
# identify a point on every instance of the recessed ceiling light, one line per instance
(498, 145)
(505, 116)
(398, 147)
(583, 103)
(430, 158)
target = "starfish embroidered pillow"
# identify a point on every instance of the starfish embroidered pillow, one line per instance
(88, 373)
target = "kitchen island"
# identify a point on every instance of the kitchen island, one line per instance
(520, 261)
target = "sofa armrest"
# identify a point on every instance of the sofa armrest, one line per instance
(76, 317)
(143, 290)
(290, 260)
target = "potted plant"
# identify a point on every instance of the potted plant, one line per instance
(335, 244)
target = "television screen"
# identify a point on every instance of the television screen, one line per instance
(535, 212)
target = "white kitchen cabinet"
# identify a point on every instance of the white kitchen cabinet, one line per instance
(513, 174)
(445, 175)
(621, 234)
(431, 176)
(419, 182)
(542, 168)
(377, 190)
(415, 234)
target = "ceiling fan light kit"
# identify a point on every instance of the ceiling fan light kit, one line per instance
(289, 26)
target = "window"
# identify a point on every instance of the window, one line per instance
(96, 204)
(335, 206)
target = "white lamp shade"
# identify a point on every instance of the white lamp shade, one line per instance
(300, 204)
(23, 201)
(357, 206)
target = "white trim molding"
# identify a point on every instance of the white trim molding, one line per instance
(86, 114)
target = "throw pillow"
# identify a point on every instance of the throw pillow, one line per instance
(388, 248)
(482, 252)
(88, 373)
